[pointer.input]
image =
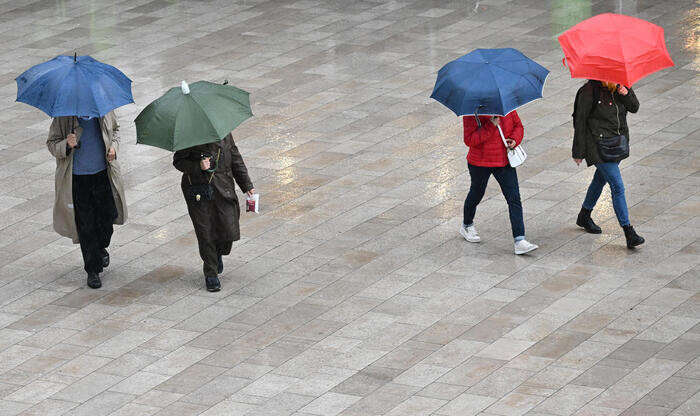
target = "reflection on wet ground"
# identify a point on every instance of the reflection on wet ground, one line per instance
(352, 293)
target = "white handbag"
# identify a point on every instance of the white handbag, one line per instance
(517, 155)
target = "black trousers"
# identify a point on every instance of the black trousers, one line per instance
(95, 211)
(507, 178)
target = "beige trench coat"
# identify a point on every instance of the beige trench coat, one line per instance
(63, 215)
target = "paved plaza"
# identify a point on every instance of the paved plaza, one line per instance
(352, 293)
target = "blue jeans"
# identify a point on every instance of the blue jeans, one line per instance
(609, 173)
(508, 180)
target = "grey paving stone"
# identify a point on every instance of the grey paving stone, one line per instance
(681, 350)
(557, 344)
(633, 353)
(691, 370)
(500, 382)
(471, 371)
(366, 381)
(671, 393)
(442, 391)
(568, 400)
(644, 410)
(601, 376)
(330, 404)
(382, 400)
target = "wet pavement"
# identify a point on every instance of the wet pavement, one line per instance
(352, 292)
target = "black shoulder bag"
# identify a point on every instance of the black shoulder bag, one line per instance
(613, 149)
(202, 191)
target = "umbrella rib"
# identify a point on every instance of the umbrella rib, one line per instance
(624, 58)
(206, 115)
(520, 75)
(98, 84)
(497, 89)
(53, 104)
(108, 78)
(35, 78)
(92, 93)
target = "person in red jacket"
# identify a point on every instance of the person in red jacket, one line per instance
(488, 156)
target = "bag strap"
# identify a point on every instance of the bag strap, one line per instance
(212, 174)
(503, 138)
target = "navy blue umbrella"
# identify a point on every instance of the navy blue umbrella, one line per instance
(74, 86)
(489, 82)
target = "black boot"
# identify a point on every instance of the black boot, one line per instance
(633, 239)
(105, 257)
(221, 265)
(213, 284)
(584, 220)
(93, 281)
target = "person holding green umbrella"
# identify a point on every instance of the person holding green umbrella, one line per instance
(196, 123)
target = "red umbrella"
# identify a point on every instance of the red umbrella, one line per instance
(615, 48)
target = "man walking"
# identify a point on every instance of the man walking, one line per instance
(89, 189)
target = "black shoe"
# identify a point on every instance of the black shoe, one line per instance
(221, 264)
(93, 281)
(105, 258)
(633, 239)
(584, 220)
(213, 284)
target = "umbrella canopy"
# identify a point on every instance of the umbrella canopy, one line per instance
(191, 115)
(614, 48)
(74, 86)
(489, 82)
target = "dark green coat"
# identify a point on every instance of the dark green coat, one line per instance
(217, 220)
(605, 118)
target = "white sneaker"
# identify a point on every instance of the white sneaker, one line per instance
(469, 233)
(524, 246)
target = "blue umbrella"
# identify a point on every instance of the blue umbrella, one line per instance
(74, 86)
(489, 82)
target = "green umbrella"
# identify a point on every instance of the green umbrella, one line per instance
(191, 115)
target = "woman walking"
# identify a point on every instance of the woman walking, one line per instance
(601, 137)
(89, 189)
(209, 171)
(488, 156)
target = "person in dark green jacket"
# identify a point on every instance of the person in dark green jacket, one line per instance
(215, 221)
(601, 112)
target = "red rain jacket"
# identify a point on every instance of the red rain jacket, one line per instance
(485, 145)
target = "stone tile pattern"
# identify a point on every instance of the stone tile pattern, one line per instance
(352, 293)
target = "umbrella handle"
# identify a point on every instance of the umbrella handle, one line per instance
(476, 115)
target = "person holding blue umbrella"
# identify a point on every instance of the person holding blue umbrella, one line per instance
(485, 87)
(80, 94)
